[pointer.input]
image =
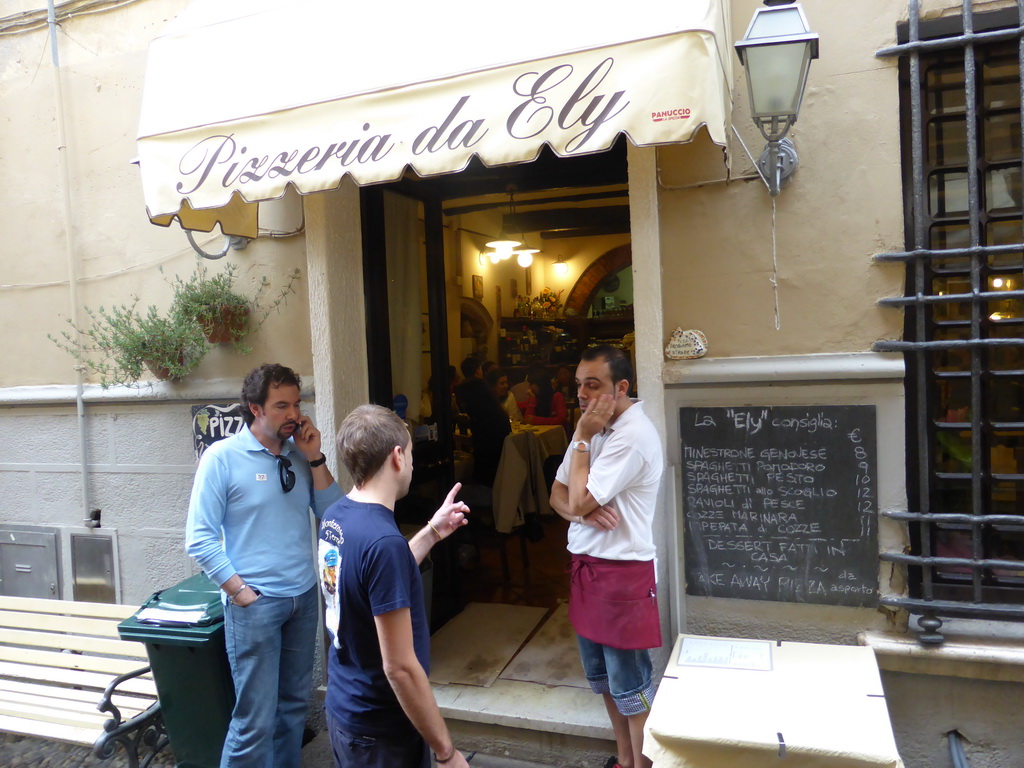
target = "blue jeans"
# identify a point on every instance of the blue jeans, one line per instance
(626, 675)
(353, 751)
(270, 646)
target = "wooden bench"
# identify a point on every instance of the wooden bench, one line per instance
(65, 675)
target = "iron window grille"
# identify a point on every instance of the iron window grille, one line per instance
(961, 102)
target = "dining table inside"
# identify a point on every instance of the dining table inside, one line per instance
(520, 487)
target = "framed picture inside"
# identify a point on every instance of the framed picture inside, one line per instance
(513, 288)
(478, 287)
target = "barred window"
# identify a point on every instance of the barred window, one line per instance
(964, 303)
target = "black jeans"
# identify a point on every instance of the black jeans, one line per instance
(355, 751)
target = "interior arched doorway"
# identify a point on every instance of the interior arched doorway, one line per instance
(591, 279)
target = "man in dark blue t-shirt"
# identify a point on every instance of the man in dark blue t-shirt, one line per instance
(380, 709)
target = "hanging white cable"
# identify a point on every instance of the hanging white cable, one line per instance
(775, 272)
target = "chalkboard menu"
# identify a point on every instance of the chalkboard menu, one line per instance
(780, 503)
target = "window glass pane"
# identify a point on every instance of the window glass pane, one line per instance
(947, 142)
(951, 359)
(1006, 358)
(1006, 309)
(947, 193)
(953, 543)
(1001, 77)
(1007, 498)
(1008, 544)
(953, 310)
(1005, 399)
(1002, 137)
(1002, 189)
(1007, 452)
(1005, 232)
(951, 236)
(953, 451)
(953, 400)
(945, 89)
(952, 496)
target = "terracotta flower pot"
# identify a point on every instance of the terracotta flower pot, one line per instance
(229, 326)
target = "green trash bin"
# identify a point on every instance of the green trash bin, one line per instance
(182, 628)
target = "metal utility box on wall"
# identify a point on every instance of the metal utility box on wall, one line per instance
(29, 564)
(92, 567)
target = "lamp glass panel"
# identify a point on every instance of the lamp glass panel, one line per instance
(776, 22)
(776, 75)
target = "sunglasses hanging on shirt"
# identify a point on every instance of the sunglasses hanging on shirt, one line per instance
(285, 473)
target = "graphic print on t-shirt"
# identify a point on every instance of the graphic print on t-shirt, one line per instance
(328, 562)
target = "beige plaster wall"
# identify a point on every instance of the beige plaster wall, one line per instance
(108, 244)
(843, 206)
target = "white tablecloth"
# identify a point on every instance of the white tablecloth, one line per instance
(519, 486)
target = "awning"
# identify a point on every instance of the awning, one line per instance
(245, 97)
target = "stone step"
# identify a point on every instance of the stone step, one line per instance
(548, 725)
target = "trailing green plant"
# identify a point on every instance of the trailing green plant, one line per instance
(121, 343)
(225, 314)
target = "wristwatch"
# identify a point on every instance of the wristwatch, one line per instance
(318, 462)
(581, 446)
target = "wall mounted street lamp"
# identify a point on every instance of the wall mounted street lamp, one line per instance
(776, 54)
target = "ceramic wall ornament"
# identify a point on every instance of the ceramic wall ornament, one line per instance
(686, 345)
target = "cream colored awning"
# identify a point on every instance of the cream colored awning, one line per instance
(244, 97)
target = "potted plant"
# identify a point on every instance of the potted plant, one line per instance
(120, 344)
(222, 312)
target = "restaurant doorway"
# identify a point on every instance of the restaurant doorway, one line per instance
(424, 262)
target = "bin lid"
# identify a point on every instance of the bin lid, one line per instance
(189, 613)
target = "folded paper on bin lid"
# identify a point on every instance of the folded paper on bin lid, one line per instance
(175, 618)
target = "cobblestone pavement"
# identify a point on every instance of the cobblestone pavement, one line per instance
(24, 752)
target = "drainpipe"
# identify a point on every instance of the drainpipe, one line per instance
(64, 181)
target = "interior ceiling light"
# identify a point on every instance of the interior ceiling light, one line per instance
(561, 268)
(505, 244)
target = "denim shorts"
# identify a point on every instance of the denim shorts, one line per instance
(626, 675)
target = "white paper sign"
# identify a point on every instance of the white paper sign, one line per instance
(731, 654)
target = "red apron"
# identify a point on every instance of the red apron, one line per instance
(614, 602)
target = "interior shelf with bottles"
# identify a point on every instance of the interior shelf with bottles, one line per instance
(528, 341)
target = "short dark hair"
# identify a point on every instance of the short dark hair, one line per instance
(366, 438)
(257, 384)
(492, 376)
(469, 367)
(618, 361)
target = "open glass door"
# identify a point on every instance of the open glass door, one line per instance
(407, 343)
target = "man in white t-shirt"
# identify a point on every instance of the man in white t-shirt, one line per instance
(607, 487)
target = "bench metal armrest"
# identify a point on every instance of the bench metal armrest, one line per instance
(107, 705)
(145, 729)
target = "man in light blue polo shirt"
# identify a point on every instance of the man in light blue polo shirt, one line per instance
(249, 529)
